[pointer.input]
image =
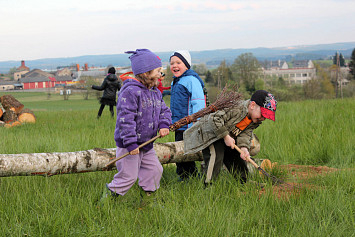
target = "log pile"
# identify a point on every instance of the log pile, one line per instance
(12, 112)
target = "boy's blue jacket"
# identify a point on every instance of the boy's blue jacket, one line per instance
(187, 96)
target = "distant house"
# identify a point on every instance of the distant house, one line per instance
(63, 80)
(64, 72)
(7, 85)
(279, 64)
(23, 67)
(21, 70)
(38, 79)
(303, 64)
(300, 73)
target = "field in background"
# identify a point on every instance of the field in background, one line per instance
(318, 133)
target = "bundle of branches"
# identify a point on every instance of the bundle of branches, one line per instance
(226, 99)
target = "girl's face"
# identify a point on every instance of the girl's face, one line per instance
(255, 113)
(153, 76)
(177, 67)
(150, 79)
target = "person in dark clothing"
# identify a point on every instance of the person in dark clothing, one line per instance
(110, 86)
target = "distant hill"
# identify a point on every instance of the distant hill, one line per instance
(210, 57)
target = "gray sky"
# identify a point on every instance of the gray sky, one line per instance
(33, 29)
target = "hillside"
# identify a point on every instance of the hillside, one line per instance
(209, 57)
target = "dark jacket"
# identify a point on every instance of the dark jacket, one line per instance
(110, 86)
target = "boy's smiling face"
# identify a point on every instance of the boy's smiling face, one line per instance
(177, 67)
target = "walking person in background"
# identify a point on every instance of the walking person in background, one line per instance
(187, 97)
(164, 90)
(110, 86)
(141, 113)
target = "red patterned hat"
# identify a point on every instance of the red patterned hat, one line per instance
(267, 103)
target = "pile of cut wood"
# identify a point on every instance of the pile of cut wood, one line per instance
(13, 113)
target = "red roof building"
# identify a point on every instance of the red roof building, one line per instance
(22, 67)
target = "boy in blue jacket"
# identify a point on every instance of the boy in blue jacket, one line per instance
(187, 97)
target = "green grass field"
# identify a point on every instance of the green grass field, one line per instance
(317, 133)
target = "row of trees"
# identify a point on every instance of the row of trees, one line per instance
(246, 72)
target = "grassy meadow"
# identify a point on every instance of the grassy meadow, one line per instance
(317, 133)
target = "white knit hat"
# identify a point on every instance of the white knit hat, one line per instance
(185, 57)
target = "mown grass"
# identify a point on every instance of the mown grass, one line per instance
(310, 132)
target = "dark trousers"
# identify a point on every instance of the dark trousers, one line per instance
(102, 108)
(229, 157)
(184, 169)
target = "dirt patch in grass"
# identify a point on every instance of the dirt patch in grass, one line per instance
(307, 171)
(298, 180)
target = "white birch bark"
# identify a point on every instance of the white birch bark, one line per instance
(81, 161)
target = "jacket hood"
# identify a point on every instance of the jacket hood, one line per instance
(191, 72)
(127, 75)
(112, 77)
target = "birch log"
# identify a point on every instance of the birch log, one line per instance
(81, 161)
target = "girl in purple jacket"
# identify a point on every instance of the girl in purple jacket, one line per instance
(141, 113)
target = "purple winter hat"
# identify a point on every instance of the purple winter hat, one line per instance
(143, 60)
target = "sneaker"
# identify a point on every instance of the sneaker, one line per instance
(107, 193)
(148, 199)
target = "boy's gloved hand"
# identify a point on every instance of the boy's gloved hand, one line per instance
(229, 141)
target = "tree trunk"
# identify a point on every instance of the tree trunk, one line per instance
(10, 103)
(9, 116)
(81, 161)
(26, 116)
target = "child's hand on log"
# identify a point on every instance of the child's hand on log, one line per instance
(163, 132)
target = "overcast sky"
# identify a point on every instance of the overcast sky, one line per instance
(34, 29)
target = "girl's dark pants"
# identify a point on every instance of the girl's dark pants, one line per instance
(230, 158)
(185, 169)
(102, 108)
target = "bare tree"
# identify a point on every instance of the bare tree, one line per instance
(247, 70)
(201, 69)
